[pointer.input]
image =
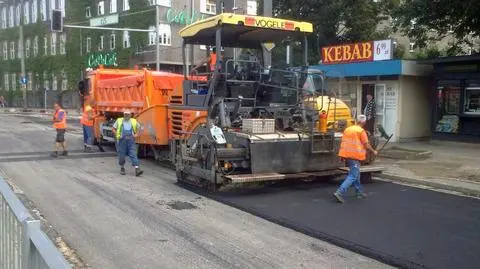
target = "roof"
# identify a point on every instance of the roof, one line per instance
(454, 59)
(376, 68)
(243, 31)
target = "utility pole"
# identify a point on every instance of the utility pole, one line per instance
(22, 56)
(157, 20)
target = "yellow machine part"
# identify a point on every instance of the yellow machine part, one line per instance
(336, 111)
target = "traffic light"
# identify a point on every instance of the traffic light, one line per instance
(56, 24)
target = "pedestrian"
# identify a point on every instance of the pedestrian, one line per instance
(2, 101)
(353, 149)
(126, 129)
(87, 124)
(370, 113)
(60, 125)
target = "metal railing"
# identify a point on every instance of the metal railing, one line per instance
(23, 245)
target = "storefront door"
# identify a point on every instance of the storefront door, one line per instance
(386, 107)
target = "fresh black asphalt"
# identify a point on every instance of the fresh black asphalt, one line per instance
(402, 226)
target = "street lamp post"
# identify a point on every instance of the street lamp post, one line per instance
(21, 47)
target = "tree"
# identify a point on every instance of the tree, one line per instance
(432, 20)
(335, 21)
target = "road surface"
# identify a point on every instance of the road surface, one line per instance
(116, 221)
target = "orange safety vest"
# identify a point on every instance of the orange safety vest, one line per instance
(62, 124)
(352, 146)
(84, 120)
(213, 61)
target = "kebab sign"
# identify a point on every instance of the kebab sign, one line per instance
(378, 50)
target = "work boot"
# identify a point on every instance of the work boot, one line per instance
(64, 153)
(338, 197)
(361, 195)
(138, 171)
(122, 171)
(54, 154)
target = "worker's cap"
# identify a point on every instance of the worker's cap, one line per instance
(361, 118)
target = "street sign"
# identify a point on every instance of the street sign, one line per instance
(106, 20)
(269, 46)
(23, 80)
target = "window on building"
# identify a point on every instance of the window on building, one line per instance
(14, 82)
(411, 47)
(165, 3)
(63, 43)
(472, 101)
(53, 44)
(113, 6)
(6, 81)
(88, 12)
(43, 10)
(53, 5)
(203, 47)
(208, 6)
(112, 41)
(62, 7)
(101, 8)
(29, 82)
(165, 37)
(126, 5)
(64, 85)
(88, 44)
(12, 50)
(19, 49)
(46, 82)
(252, 7)
(35, 46)
(18, 14)
(4, 18)
(54, 82)
(5, 50)
(101, 44)
(126, 39)
(11, 17)
(45, 45)
(27, 47)
(34, 11)
(26, 13)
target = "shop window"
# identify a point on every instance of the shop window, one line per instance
(448, 107)
(472, 101)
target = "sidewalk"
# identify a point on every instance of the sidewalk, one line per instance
(451, 166)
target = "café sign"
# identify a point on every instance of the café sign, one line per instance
(378, 50)
(182, 17)
(94, 60)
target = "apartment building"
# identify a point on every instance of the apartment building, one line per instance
(39, 46)
(173, 16)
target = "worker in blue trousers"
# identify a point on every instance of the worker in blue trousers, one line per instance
(126, 129)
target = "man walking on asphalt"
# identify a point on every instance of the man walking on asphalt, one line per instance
(353, 149)
(60, 125)
(87, 124)
(126, 130)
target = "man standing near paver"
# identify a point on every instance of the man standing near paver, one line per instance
(87, 124)
(370, 113)
(60, 125)
(126, 130)
(353, 149)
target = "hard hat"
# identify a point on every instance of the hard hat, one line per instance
(127, 112)
(362, 118)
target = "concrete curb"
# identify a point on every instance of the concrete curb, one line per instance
(436, 185)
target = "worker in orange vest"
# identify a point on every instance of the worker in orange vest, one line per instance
(87, 124)
(353, 149)
(211, 60)
(60, 125)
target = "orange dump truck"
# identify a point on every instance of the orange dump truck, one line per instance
(148, 94)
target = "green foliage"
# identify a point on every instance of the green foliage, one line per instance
(335, 21)
(434, 20)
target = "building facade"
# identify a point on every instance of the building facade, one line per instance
(44, 52)
(55, 61)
